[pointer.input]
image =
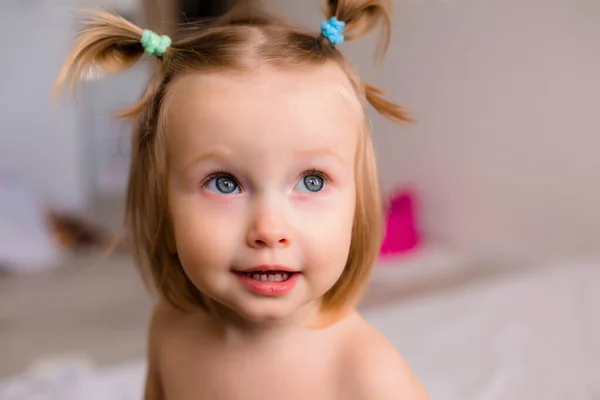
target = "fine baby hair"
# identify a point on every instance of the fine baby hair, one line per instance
(237, 42)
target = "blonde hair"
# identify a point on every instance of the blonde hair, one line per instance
(112, 44)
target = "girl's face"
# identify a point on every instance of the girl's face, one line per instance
(262, 185)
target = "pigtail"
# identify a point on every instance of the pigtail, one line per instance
(394, 112)
(361, 17)
(107, 44)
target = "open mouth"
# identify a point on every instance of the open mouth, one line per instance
(269, 276)
(269, 281)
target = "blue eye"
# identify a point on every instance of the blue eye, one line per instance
(224, 184)
(311, 183)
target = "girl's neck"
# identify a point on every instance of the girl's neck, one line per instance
(230, 328)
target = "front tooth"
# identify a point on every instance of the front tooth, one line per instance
(263, 277)
(256, 276)
(277, 277)
(271, 277)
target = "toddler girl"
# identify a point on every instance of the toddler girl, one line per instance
(253, 204)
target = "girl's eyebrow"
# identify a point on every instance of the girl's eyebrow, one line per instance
(222, 156)
(212, 155)
(322, 152)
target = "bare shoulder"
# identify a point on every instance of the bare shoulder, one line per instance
(374, 368)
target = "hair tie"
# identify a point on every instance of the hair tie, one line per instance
(155, 44)
(332, 30)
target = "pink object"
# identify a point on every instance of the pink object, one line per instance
(401, 234)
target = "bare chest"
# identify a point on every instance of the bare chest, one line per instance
(250, 374)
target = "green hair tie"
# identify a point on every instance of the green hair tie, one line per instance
(155, 44)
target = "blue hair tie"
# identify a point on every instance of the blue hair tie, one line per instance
(154, 45)
(332, 30)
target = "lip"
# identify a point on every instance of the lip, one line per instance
(268, 288)
(265, 267)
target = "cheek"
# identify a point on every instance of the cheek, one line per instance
(204, 235)
(330, 232)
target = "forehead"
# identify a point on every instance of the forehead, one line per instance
(294, 108)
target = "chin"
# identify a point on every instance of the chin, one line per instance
(235, 302)
(260, 310)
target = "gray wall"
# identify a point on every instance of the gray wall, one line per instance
(39, 143)
(54, 147)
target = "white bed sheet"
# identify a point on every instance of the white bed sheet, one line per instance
(531, 335)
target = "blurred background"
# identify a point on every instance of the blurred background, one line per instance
(489, 278)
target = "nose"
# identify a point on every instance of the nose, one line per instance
(268, 229)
